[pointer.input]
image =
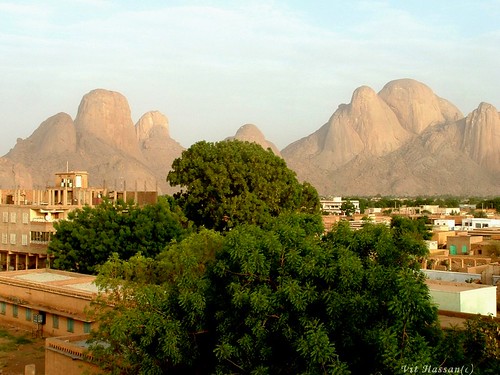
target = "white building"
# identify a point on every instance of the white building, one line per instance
(444, 224)
(479, 223)
(333, 206)
(464, 297)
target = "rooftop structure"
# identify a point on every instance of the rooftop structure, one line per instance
(464, 297)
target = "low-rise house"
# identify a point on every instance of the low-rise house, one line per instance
(464, 297)
(46, 302)
(52, 304)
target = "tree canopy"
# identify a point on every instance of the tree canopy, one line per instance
(91, 234)
(231, 182)
(279, 298)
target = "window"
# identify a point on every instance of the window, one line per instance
(453, 250)
(24, 240)
(14, 311)
(13, 217)
(28, 314)
(464, 249)
(12, 238)
(25, 218)
(40, 237)
(55, 321)
(70, 323)
(5, 238)
(3, 308)
(5, 216)
(86, 327)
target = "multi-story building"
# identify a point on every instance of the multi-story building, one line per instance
(334, 206)
(27, 216)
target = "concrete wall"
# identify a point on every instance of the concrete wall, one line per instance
(479, 301)
(445, 300)
(64, 357)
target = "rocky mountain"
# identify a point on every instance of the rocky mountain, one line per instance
(101, 140)
(251, 133)
(405, 140)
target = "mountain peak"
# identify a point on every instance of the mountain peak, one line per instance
(416, 106)
(251, 133)
(105, 116)
(152, 124)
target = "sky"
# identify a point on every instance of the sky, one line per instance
(213, 66)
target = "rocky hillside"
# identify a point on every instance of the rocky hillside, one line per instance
(403, 140)
(101, 140)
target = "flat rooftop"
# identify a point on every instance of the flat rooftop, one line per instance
(452, 286)
(48, 277)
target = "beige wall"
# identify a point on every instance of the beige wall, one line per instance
(55, 323)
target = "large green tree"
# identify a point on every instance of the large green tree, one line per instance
(277, 298)
(159, 320)
(231, 182)
(91, 234)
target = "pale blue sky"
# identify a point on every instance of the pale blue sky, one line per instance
(212, 66)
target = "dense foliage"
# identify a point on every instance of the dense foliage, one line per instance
(277, 298)
(92, 234)
(231, 182)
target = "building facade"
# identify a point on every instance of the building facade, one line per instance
(27, 217)
(47, 302)
(334, 206)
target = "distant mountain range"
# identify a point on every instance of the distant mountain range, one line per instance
(404, 141)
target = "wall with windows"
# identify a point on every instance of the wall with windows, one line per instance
(54, 324)
(461, 245)
(59, 297)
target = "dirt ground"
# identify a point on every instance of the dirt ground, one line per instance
(17, 349)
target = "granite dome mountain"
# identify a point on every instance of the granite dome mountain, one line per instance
(403, 140)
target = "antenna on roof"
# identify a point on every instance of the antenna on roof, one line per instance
(67, 166)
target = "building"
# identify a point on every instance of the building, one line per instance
(47, 302)
(464, 297)
(474, 223)
(334, 206)
(52, 304)
(27, 216)
(444, 224)
(462, 245)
